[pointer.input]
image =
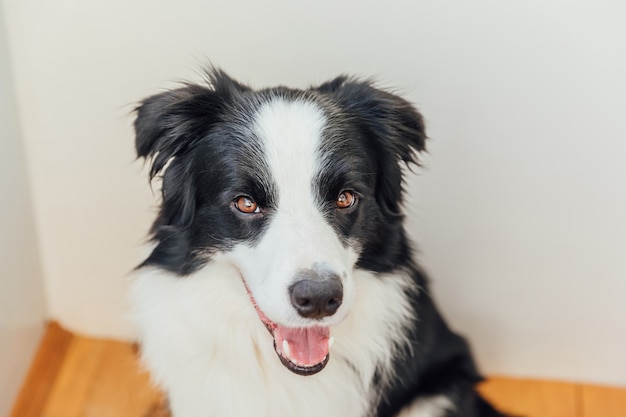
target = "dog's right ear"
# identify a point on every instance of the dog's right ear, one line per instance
(167, 127)
(170, 123)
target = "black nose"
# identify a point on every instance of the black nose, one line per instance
(317, 298)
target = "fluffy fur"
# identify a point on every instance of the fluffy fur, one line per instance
(281, 211)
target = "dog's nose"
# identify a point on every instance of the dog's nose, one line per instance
(318, 297)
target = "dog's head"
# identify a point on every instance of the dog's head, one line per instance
(293, 188)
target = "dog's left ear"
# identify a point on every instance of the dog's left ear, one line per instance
(392, 127)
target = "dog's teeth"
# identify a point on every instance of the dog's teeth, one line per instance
(286, 348)
(331, 341)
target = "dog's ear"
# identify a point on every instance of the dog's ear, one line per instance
(392, 127)
(167, 127)
(168, 124)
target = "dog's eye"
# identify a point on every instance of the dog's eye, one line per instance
(346, 199)
(246, 205)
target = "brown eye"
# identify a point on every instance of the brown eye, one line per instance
(246, 205)
(345, 200)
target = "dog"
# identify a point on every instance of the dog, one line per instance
(282, 282)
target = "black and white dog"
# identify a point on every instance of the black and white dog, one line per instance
(282, 282)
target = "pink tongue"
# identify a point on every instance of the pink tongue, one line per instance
(307, 346)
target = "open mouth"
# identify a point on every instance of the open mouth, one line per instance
(305, 350)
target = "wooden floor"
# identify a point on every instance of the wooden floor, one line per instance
(74, 376)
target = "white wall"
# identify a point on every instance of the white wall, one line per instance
(22, 306)
(519, 214)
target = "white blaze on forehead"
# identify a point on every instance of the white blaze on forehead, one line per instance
(299, 235)
(291, 132)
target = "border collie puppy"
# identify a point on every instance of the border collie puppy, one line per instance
(282, 282)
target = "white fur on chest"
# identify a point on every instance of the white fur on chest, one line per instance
(205, 345)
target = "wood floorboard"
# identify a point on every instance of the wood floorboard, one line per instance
(532, 398)
(600, 401)
(75, 376)
(119, 377)
(43, 371)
